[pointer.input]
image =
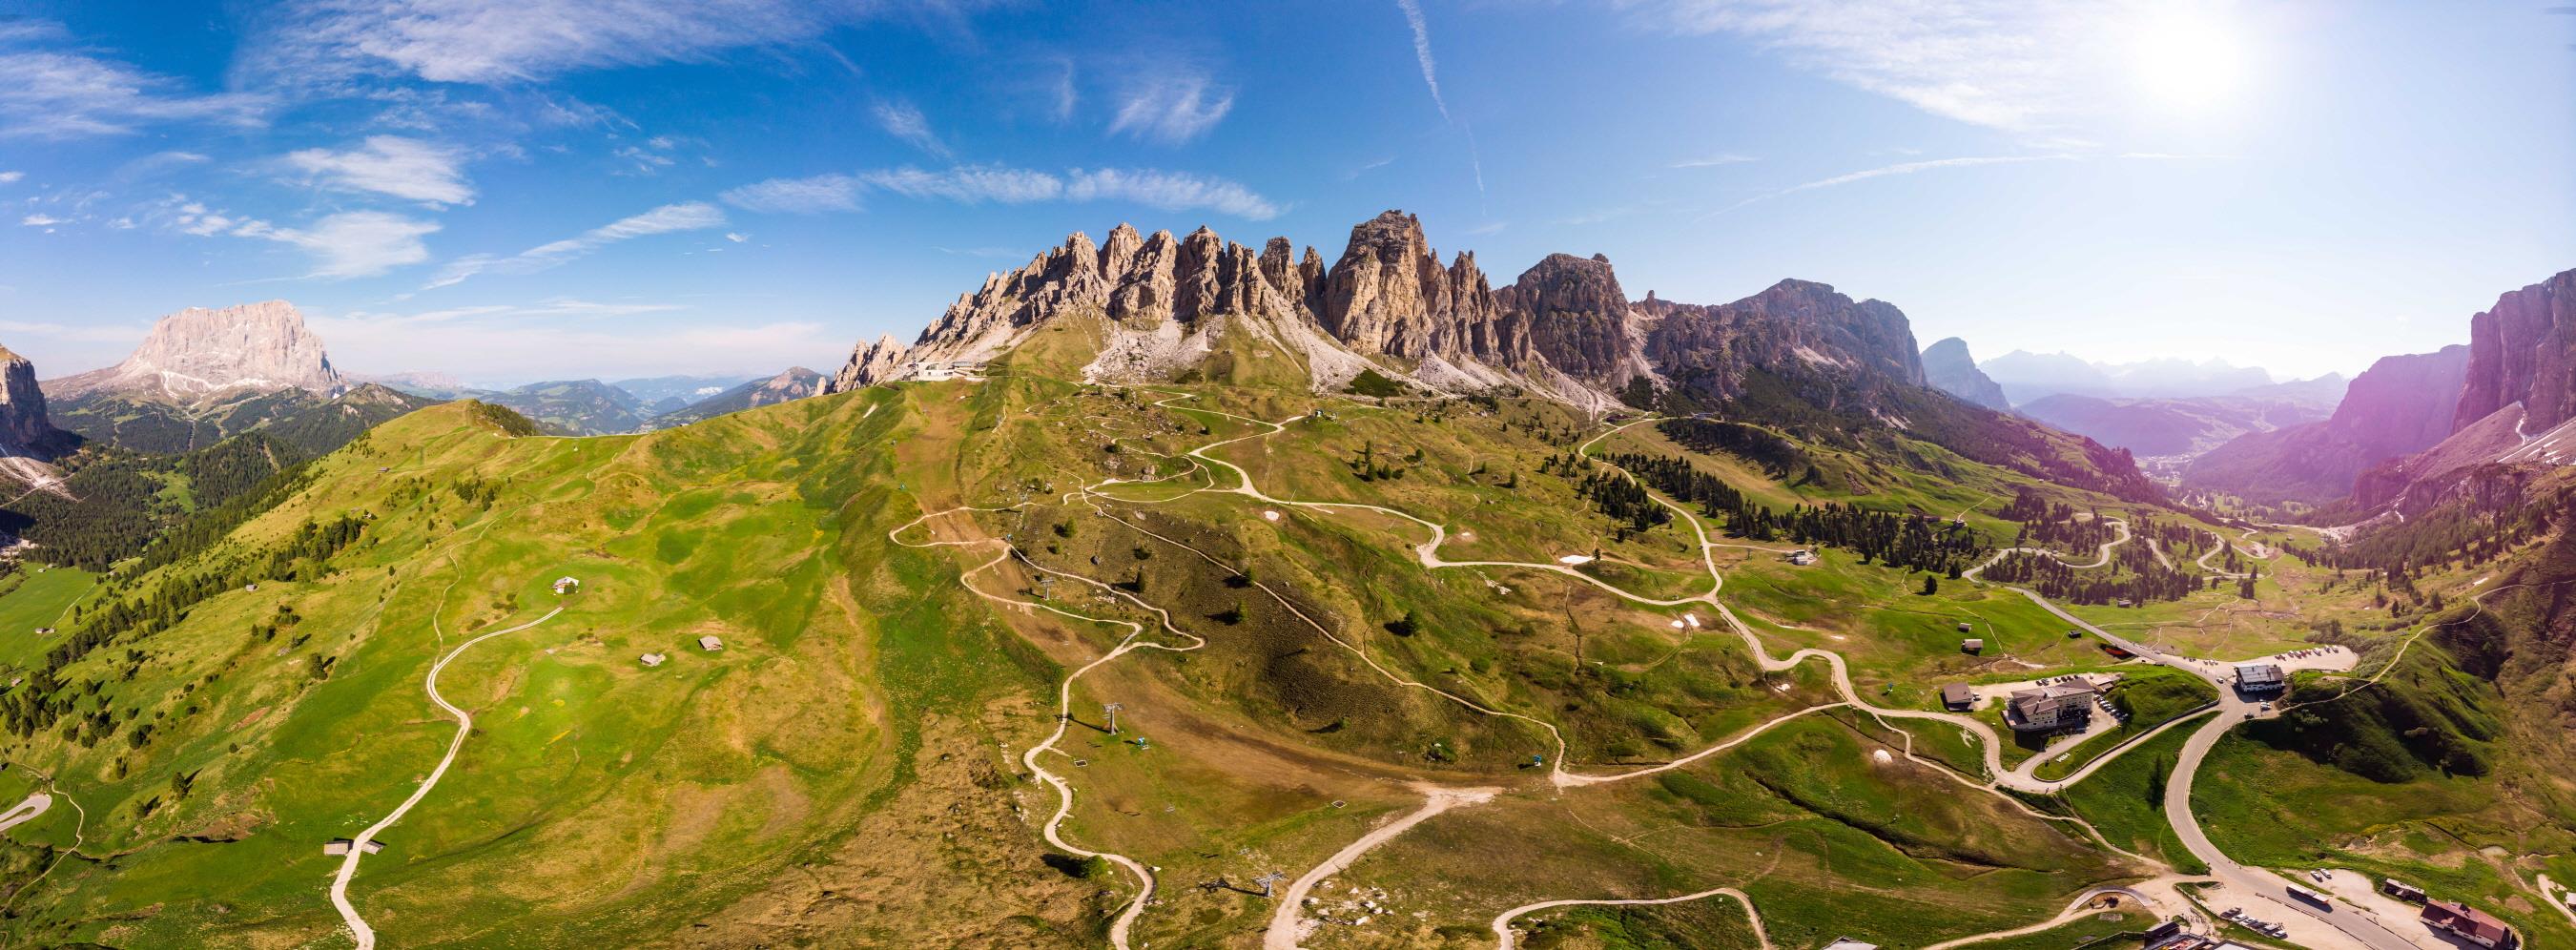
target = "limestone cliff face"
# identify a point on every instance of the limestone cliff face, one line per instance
(1797, 329)
(1564, 328)
(24, 428)
(198, 352)
(1160, 294)
(2520, 351)
(1390, 295)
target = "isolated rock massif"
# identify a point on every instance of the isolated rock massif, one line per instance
(1948, 367)
(199, 352)
(24, 428)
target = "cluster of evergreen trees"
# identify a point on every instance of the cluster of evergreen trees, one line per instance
(27, 711)
(2046, 523)
(1618, 496)
(1897, 539)
(1894, 538)
(1779, 457)
(126, 503)
(1677, 477)
(2133, 575)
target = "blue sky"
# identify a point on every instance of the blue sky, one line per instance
(510, 191)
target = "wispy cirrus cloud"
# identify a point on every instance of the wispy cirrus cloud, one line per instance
(406, 168)
(1964, 161)
(2004, 64)
(810, 195)
(1412, 10)
(11, 177)
(51, 92)
(904, 121)
(1422, 52)
(512, 41)
(1712, 161)
(685, 216)
(1172, 107)
(1153, 188)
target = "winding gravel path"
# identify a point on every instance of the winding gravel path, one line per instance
(1054, 827)
(366, 935)
(1504, 939)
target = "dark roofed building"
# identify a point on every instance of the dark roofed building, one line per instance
(1958, 696)
(2260, 677)
(2468, 923)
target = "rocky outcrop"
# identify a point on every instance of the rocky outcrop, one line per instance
(199, 352)
(24, 428)
(2520, 351)
(1579, 320)
(1390, 295)
(868, 365)
(1830, 347)
(1948, 368)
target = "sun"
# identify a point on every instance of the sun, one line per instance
(2188, 60)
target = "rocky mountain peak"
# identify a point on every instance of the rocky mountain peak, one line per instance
(24, 427)
(871, 363)
(198, 351)
(1948, 367)
(1579, 319)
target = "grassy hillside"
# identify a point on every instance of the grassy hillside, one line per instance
(903, 577)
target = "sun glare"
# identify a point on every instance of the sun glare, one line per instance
(2189, 60)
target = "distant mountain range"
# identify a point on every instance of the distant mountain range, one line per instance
(796, 383)
(2027, 376)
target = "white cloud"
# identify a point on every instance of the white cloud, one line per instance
(11, 178)
(1066, 96)
(51, 94)
(1712, 161)
(1422, 52)
(903, 121)
(511, 41)
(41, 221)
(970, 184)
(405, 168)
(2006, 64)
(352, 243)
(348, 244)
(819, 193)
(1169, 191)
(737, 236)
(685, 216)
(1172, 108)
(1153, 188)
